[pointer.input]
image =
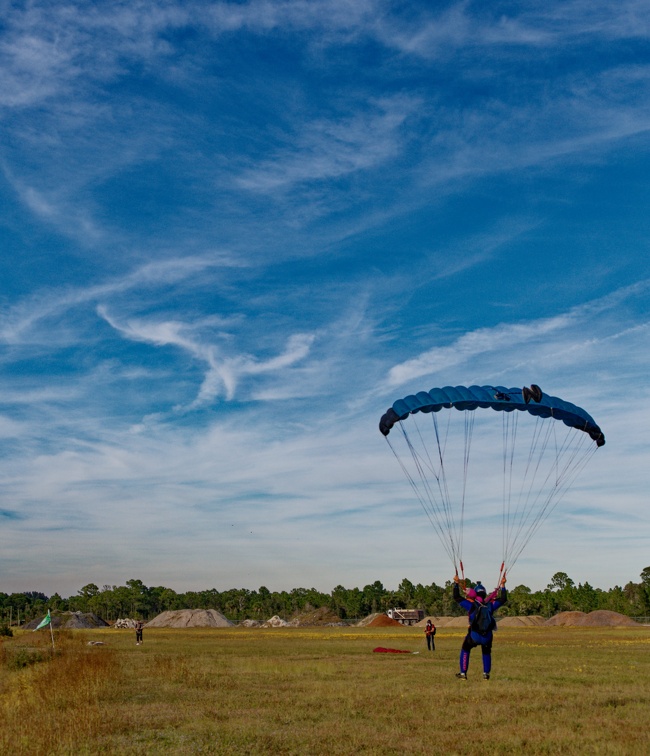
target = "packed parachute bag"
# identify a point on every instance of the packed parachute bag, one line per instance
(483, 620)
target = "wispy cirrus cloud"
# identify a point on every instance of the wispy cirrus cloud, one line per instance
(471, 345)
(516, 30)
(224, 370)
(566, 336)
(20, 320)
(329, 149)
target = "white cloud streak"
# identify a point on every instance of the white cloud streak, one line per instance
(20, 321)
(471, 345)
(224, 372)
(334, 148)
(561, 339)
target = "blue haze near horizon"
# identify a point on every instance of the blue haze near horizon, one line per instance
(232, 234)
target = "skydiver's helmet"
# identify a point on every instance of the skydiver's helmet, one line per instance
(480, 591)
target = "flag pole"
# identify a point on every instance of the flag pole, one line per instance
(51, 632)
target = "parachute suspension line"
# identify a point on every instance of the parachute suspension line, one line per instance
(469, 432)
(509, 439)
(576, 468)
(431, 504)
(569, 458)
(518, 517)
(550, 505)
(551, 484)
(434, 510)
(420, 497)
(445, 509)
(443, 486)
(524, 522)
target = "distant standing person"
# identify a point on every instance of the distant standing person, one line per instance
(139, 624)
(430, 631)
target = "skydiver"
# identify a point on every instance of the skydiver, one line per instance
(480, 609)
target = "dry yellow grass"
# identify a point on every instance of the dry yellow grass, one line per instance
(323, 691)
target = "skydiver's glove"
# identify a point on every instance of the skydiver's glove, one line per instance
(502, 584)
(456, 578)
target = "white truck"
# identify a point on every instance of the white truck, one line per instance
(406, 616)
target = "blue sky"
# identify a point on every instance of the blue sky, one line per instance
(232, 234)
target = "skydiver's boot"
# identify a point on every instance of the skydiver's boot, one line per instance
(486, 675)
(461, 675)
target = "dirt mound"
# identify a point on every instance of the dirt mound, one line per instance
(323, 617)
(383, 620)
(605, 618)
(502, 621)
(70, 621)
(528, 621)
(84, 621)
(190, 618)
(444, 621)
(566, 618)
(599, 618)
(455, 622)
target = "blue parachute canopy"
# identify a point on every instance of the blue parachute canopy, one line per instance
(531, 400)
(544, 447)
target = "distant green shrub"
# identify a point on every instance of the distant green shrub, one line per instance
(21, 657)
(6, 631)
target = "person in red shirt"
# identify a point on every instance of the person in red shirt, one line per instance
(430, 631)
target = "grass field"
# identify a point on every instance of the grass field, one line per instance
(323, 691)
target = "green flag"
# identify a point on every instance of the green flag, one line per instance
(45, 621)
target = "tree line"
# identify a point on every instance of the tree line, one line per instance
(136, 600)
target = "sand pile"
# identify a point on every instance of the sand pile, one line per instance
(533, 620)
(599, 618)
(367, 620)
(70, 621)
(124, 624)
(275, 621)
(190, 618)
